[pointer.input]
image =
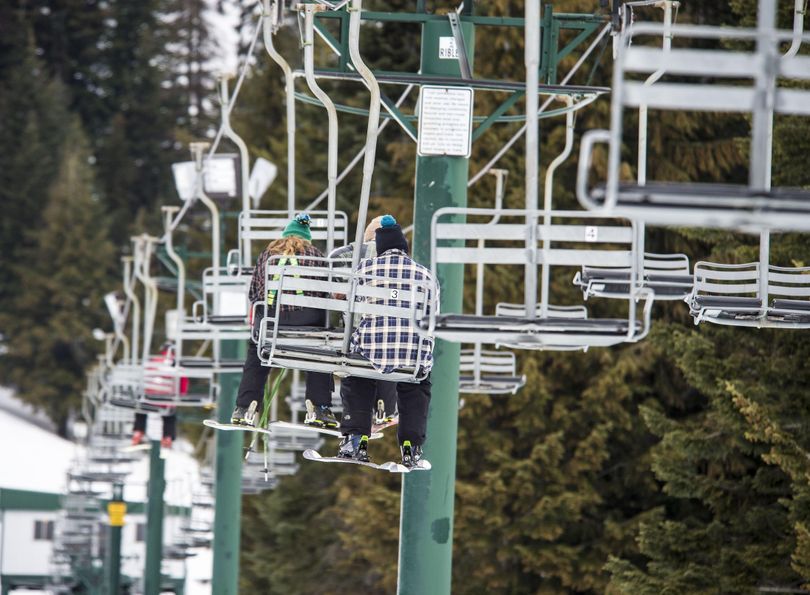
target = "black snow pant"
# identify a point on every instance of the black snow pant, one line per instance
(319, 386)
(359, 399)
(169, 424)
(386, 391)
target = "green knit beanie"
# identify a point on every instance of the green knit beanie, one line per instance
(298, 227)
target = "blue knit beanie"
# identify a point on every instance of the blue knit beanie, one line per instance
(389, 236)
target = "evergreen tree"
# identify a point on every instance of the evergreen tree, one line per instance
(63, 272)
(32, 111)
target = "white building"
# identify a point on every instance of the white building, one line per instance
(33, 478)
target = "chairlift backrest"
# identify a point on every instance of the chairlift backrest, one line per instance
(793, 282)
(266, 226)
(231, 291)
(519, 311)
(609, 242)
(488, 361)
(737, 280)
(319, 288)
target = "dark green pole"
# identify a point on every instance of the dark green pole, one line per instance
(426, 522)
(116, 509)
(228, 507)
(154, 521)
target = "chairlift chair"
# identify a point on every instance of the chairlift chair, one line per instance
(667, 275)
(613, 245)
(489, 372)
(772, 91)
(318, 349)
(750, 295)
(518, 310)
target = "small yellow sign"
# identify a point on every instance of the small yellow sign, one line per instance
(117, 511)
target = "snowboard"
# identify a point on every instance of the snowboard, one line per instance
(379, 427)
(390, 466)
(165, 453)
(135, 447)
(234, 427)
(327, 431)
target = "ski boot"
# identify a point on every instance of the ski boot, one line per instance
(354, 446)
(320, 416)
(166, 442)
(411, 455)
(137, 438)
(245, 417)
(381, 418)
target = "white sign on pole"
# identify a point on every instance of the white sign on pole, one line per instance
(445, 121)
(220, 175)
(448, 50)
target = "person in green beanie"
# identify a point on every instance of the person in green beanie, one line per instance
(295, 248)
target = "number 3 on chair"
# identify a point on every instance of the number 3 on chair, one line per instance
(394, 294)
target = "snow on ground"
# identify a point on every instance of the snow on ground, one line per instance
(33, 458)
(9, 402)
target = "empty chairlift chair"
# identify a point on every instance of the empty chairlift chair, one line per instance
(222, 314)
(488, 371)
(749, 295)
(757, 82)
(518, 311)
(576, 239)
(668, 275)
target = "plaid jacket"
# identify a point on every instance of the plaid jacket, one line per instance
(387, 341)
(256, 292)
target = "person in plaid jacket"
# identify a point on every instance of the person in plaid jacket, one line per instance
(294, 248)
(386, 390)
(389, 343)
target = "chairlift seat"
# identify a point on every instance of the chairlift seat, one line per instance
(550, 330)
(710, 205)
(297, 442)
(332, 361)
(801, 305)
(228, 319)
(728, 303)
(492, 385)
(208, 363)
